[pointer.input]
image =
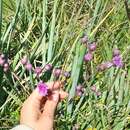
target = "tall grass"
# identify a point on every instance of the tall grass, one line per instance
(51, 31)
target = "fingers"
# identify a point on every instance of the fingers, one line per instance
(47, 116)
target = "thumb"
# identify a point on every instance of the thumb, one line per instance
(47, 116)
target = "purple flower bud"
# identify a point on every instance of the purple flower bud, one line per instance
(42, 88)
(88, 57)
(93, 88)
(2, 61)
(117, 61)
(28, 66)
(24, 60)
(79, 90)
(98, 93)
(38, 70)
(92, 47)
(84, 39)
(48, 67)
(67, 74)
(116, 52)
(57, 72)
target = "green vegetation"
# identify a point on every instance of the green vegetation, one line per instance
(50, 31)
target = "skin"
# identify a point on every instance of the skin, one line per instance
(38, 112)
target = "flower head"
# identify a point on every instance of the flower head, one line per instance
(92, 46)
(24, 60)
(57, 72)
(98, 93)
(38, 70)
(48, 67)
(117, 61)
(79, 90)
(93, 88)
(88, 57)
(84, 39)
(28, 66)
(42, 88)
(67, 74)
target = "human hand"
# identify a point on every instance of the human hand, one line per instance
(38, 111)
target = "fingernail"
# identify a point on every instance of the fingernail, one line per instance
(55, 96)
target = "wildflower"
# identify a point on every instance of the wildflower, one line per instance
(93, 88)
(24, 60)
(84, 39)
(88, 57)
(98, 93)
(116, 52)
(92, 46)
(67, 74)
(48, 67)
(79, 90)
(57, 72)
(117, 61)
(38, 71)
(42, 88)
(28, 66)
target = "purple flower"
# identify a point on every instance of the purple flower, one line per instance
(92, 46)
(98, 93)
(48, 67)
(57, 72)
(67, 74)
(117, 61)
(24, 60)
(80, 90)
(42, 88)
(93, 88)
(88, 57)
(84, 39)
(116, 52)
(38, 70)
(28, 66)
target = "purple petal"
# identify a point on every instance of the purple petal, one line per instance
(43, 89)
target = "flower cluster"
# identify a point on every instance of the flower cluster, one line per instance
(26, 63)
(4, 62)
(57, 72)
(116, 61)
(97, 92)
(80, 90)
(91, 48)
(38, 70)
